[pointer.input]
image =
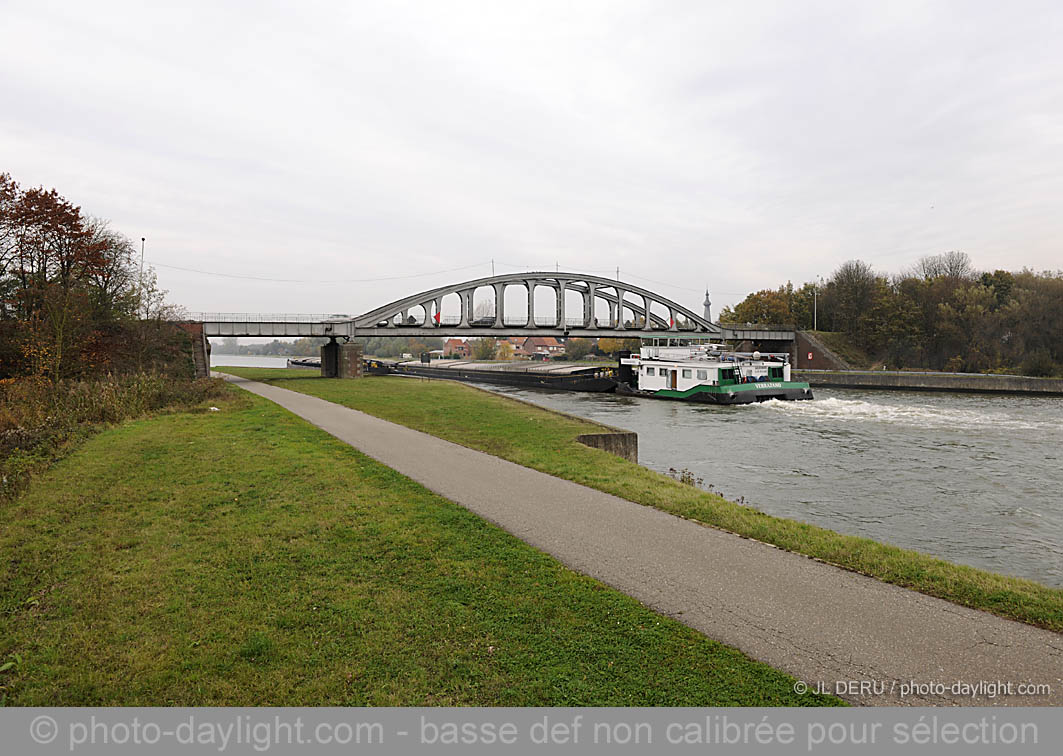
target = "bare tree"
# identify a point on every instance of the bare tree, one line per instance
(485, 310)
(955, 265)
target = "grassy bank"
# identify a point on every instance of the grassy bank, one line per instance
(546, 441)
(40, 421)
(244, 557)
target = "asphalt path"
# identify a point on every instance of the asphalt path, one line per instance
(866, 640)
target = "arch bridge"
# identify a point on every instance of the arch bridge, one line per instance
(609, 308)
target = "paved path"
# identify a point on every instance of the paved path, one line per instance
(815, 621)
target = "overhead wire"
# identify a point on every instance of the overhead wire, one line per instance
(302, 281)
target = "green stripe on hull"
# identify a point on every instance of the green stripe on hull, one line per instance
(731, 389)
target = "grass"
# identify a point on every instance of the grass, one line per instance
(545, 441)
(41, 421)
(840, 344)
(244, 557)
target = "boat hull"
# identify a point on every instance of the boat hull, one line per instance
(745, 393)
(506, 378)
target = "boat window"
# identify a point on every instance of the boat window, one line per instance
(649, 371)
(703, 375)
(686, 374)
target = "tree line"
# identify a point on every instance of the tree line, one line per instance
(942, 314)
(72, 301)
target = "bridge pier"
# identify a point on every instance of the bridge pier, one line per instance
(341, 360)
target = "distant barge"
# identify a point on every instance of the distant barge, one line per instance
(562, 376)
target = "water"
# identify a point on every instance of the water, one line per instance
(973, 479)
(248, 360)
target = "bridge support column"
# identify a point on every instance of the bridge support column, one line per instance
(531, 303)
(500, 303)
(466, 308)
(341, 360)
(561, 305)
(588, 305)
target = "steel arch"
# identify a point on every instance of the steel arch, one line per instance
(383, 319)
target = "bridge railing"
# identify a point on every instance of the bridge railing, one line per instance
(259, 317)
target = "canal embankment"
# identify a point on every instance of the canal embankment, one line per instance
(810, 619)
(243, 557)
(897, 380)
(536, 438)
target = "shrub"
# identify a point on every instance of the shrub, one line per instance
(38, 417)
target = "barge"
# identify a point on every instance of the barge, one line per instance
(709, 373)
(304, 362)
(561, 376)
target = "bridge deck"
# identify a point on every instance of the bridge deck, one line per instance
(287, 326)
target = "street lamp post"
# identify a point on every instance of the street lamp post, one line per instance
(815, 303)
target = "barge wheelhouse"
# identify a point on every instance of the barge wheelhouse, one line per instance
(700, 372)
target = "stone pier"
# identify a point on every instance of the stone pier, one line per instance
(341, 360)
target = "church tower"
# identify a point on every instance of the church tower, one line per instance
(708, 306)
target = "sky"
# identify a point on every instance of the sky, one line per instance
(328, 157)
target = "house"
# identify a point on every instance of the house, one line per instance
(543, 347)
(457, 348)
(517, 345)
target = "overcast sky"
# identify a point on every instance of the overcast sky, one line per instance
(734, 145)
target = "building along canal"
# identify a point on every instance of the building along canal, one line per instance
(972, 479)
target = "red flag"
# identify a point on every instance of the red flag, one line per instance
(671, 322)
(436, 316)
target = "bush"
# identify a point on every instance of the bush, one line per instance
(1040, 365)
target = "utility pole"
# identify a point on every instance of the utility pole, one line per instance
(141, 287)
(492, 269)
(618, 274)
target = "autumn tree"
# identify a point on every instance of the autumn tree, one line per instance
(940, 314)
(485, 348)
(70, 301)
(615, 346)
(577, 349)
(765, 306)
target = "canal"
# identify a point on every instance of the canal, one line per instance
(972, 479)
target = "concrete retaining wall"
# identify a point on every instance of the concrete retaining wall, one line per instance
(621, 443)
(905, 381)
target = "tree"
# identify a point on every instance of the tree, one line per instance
(955, 265)
(615, 346)
(765, 306)
(485, 348)
(1001, 282)
(576, 349)
(849, 293)
(504, 351)
(485, 310)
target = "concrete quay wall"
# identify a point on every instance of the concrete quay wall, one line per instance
(909, 381)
